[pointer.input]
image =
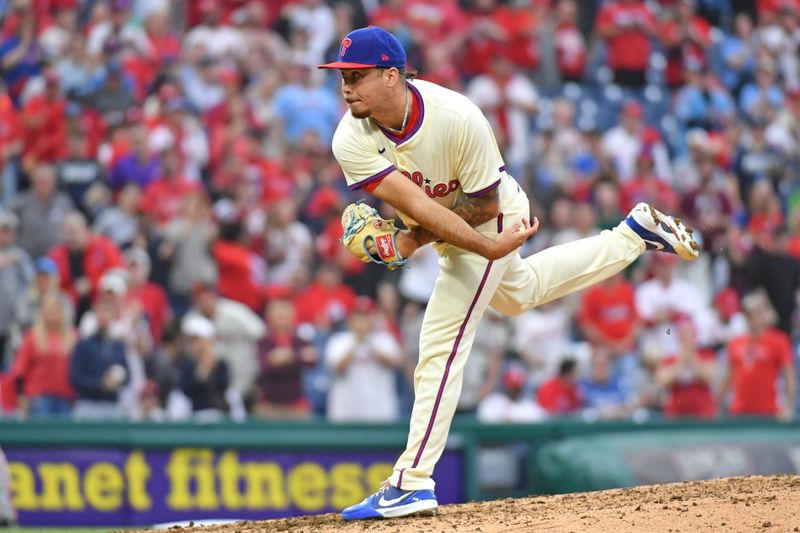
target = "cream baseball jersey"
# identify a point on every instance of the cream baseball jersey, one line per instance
(449, 151)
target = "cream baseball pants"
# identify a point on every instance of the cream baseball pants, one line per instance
(467, 284)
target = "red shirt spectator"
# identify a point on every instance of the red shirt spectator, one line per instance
(756, 361)
(569, 42)
(241, 272)
(626, 25)
(608, 313)
(688, 394)
(83, 258)
(685, 40)
(559, 395)
(44, 370)
(687, 376)
(45, 125)
(163, 199)
(326, 300)
(43, 360)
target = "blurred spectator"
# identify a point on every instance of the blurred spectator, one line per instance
(764, 94)
(283, 354)
(303, 107)
(708, 207)
(119, 26)
(363, 361)
(315, 20)
(16, 274)
(482, 369)
(601, 391)
(162, 365)
(326, 301)
(204, 376)
(237, 329)
(608, 316)
(44, 124)
(145, 294)
(212, 35)
(771, 267)
(756, 360)
(79, 171)
(784, 131)
(45, 281)
(687, 376)
(623, 143)
(42, 363)
(685, 36)
(701, 102)
(288, 243)
(139, 167)
(645, 186)
(82, 260)
(98, 370)
(20, 55)
(119, 222)
(660, 301)
(542, 336)
(738, 53)
(509, 100)
(627, 26)
(113, 97)
(242, 272)
(187, 247)
(571, 49)
(755, 159)
(42, 212)
(560, 395)
(510, 405)
(162, 200)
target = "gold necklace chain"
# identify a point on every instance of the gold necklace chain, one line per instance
(405, 117)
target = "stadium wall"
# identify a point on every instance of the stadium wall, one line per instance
(66, 473)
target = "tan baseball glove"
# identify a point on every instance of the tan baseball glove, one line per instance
(370, 237)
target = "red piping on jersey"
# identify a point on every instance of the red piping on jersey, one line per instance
(412, 128)
(483, 191)
(375, 177)
(450, 362)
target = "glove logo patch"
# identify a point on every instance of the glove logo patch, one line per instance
(384, 245)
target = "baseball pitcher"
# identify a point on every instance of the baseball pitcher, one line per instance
(430, 153)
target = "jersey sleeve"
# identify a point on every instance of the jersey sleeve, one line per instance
(361, 165)
(480, 165)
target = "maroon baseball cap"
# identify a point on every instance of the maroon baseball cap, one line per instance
(369, 47)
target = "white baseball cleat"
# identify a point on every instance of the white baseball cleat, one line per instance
(662, 232)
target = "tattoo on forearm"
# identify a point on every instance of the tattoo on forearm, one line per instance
(475, 211)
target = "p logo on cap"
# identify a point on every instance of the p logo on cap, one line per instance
(346, 42)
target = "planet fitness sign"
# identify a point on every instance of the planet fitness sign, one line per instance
(142, 487)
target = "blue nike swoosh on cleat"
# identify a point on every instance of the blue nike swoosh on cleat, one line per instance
(648, 236)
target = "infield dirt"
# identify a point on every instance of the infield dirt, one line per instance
(765, 504)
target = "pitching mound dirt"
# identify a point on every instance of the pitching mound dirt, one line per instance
(748, 504)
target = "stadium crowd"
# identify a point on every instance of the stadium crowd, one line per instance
(169, 208)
